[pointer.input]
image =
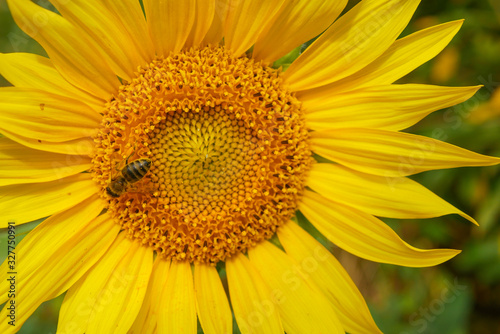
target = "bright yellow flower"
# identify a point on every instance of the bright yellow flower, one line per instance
(227, 144)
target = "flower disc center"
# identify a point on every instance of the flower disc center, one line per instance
(200, 159)
(229, 154)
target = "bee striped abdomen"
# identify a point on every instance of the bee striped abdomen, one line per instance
(136, 170)
(131, 173)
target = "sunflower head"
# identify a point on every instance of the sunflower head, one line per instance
(229, 148)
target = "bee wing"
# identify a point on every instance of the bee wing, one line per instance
(116, 161)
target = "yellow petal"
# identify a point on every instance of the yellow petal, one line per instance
(303, 307)
(41, 244)
(352, 42)
(28, 70)
(390, 107)
(212, 305)
(296, 23)
(205, 11)
(105, 32)
(366, 236)
(131, 16)
(177, 312)
(216, 30)
(44, 116)
(109, 296)
(392, 197)
(392, 154)
(28, 202)
(67, 48)
(76, 147)
(69, 262)
(170, 23)
(405, 55)
(254, 305)
(19, 164)
(245, 22)
(318, 264)
(147, 318)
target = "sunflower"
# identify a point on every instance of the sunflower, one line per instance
(171, 155)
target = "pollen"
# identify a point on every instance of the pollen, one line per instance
(229, 154)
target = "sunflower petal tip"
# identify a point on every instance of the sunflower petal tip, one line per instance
(450, 254)
(453, 253)
(469, 218)
(458, 22)
(456, 25)
(447, 255)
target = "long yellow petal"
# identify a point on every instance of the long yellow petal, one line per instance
(216, 31)
(77, 147)
(352, 42)
(67, 48)
(390, 107)
(405, 55)
(19, 164)
(366, 236)
(318, 264)
(392, 154)
(303, 307)
(109, 296)
(177, 312)
(106, 33)
(131, 16)
(170, 23)
(28, 202)
(296, 23)
(41, 244)
(205, 12)
(392, 197)
(68, 264)
(245, 22)
(44, 116)
(254, 304)
(147, 318)
(212, 305)
(27, 70)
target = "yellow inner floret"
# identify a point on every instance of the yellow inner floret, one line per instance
(229, 148)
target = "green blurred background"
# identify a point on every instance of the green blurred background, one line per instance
(462, 295)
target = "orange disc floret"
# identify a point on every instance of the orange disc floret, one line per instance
(229, 149)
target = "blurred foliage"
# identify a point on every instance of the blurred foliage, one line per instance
(462, 295)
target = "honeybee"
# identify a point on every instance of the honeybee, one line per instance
(131, 173)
